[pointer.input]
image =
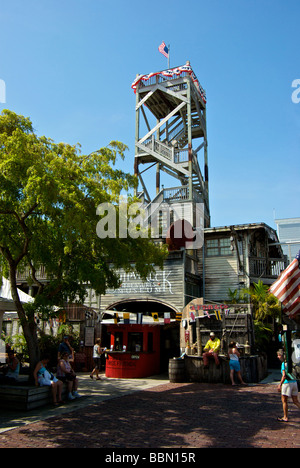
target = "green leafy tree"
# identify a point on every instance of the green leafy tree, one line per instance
(265, 305)
(263, 335)
(49, 193)
(236, 296)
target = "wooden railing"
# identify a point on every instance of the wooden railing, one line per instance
(176, 193)
(174, 155)
(159, 147)
(156, 79)
(40, 274)
(266, 268)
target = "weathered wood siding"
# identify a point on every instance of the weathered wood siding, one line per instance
(175, 285)
(167, 285)
(250, 260)
(221, 273)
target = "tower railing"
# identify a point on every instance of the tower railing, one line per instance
(163, 149)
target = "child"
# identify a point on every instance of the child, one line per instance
(234, 363)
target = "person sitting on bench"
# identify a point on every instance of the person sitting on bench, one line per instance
(211, 350)
(11, 369)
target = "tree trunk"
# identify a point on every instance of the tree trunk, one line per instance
(27, 322)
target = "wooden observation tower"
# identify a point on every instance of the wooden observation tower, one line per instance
(171, 137)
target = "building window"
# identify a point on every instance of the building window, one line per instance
(217, 247)
(135, 342)
(118, 341)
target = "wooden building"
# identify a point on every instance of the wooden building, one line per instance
(235, 257)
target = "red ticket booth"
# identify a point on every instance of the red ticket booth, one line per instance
(134, 351)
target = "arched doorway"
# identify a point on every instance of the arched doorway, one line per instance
(169, 328)
(146, 306)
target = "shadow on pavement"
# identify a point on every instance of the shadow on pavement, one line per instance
(186, 415)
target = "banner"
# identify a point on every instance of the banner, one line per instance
(209, 307)
(167, 317)
(139, 318)
(169, 74)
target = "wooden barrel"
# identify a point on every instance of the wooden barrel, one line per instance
(177, 370)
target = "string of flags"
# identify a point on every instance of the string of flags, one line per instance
(118, 316)
(126, 317)
(208, 311)
(139, 317)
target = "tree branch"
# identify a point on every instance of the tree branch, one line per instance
(33, 276)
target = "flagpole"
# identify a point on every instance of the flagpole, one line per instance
(169, 57)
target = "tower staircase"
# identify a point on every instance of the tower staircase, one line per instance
(171, 137)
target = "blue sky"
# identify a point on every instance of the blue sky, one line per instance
(69, 66)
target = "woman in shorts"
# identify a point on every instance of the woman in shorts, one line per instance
(234, 363)
(287, 387)
(43, 377)
(65, 373)
(97, 352)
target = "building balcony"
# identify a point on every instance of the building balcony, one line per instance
(23, 275)
(269, 268)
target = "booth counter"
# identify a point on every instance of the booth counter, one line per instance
(126, 365)
(134, 351)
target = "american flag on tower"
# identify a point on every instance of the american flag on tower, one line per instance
(287, 288)
(163, 49)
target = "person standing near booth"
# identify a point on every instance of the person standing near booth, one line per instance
(97, 353)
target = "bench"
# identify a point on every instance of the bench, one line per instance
(26, 397)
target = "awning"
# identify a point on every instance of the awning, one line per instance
(6, 300)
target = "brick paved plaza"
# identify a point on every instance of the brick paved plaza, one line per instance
(169, 415)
